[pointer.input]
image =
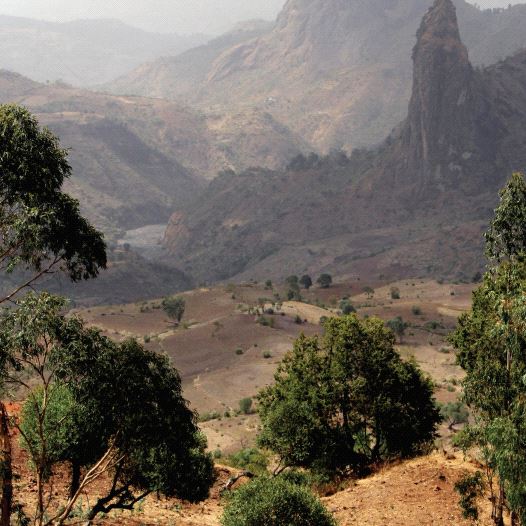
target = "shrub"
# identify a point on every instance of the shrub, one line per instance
(239, 352)
(433, 325)
(416, 310)
(206, 417)
(470, 488)
(395, 293)
(267, 355)
(245, 405)
(251, 459)
(298, 319)
(347, 307)
(266, 322)
(275, 502)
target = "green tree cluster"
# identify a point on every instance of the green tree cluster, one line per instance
(346, 400)
(491, 344)
(103, 407)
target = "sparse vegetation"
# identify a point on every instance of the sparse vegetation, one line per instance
(174, 307)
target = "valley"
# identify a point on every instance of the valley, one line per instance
(225, 353)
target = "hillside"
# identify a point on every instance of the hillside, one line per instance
(136, 159)
(417, 205)
(82, 52)
(337, 73)
(218, 322)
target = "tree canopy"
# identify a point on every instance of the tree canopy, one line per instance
(491, 344)
(119, 405)
(41, 228)
(346, 400)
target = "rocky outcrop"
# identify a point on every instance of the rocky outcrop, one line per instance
(415, 205)
(336, 72)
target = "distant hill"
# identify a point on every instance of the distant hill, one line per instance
(336, 72)
(136, 159)
(177, 77)
(82, 52)
(414, 206)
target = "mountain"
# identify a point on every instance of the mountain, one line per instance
(82, 52)
(336, 72)
(176, 76)
(136, 159)
(414, 206)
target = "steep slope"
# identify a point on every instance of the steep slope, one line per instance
(337, 72)
(136, 159)
(82, 52)
(414, 206)
(179, 75)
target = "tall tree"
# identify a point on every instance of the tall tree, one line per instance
(107, 408)
(491, 344)
(41, 228)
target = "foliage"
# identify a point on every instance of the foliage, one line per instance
(491, 344)
(416, 310)
(506, 236)
(306, 281)
(275, 502)
(245, 405)
(324, 281)
(41, 228)
(118, 407)
(251, 459)
(174, 307)
(347, 307)
(398, 326)
(395, 293)
(454, 413)
(470, 488)
(346, 400)
(369, 292)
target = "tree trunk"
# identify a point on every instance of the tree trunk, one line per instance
(75, 479)
(7, 468)
(499, 512)
(514, 519)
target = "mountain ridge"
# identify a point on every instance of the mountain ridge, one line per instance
(337, 73)
(416, 205)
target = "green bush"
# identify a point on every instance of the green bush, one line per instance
(275, 502)
(245, 405)
(416, 310)
(251, 459)
(347, 307)
(395, 293)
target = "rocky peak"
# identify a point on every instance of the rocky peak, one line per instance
(439, 128)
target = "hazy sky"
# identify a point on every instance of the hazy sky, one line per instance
(181, 16)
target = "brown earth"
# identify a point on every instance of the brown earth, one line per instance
(224, 354)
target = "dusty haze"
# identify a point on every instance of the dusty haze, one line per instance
(181, 16)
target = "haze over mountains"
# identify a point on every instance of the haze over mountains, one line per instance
(336, 72)
(82, 52)
(328, 74)
(416, 205)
